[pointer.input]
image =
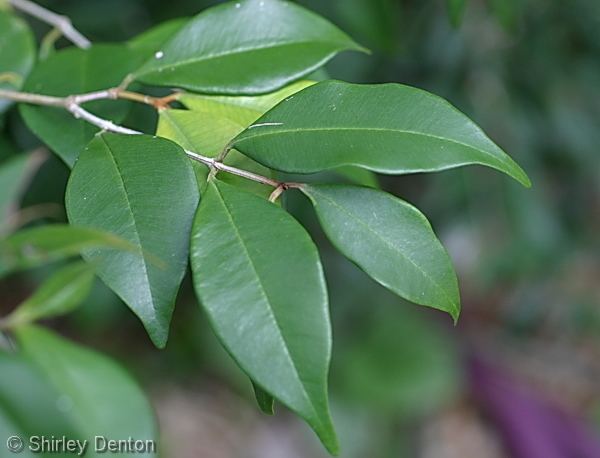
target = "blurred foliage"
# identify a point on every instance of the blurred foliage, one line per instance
(529, 262)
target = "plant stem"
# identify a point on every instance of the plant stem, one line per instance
(73, 105)
(63, 23)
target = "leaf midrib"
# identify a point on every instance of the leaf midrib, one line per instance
(240, 50)
(389, 244)
(135, 227)
(266, 298)
(254, 135)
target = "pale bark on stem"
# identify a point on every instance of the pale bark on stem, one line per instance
(62, 23)
(72, 104)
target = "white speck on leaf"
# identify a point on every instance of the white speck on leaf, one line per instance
(159, 54)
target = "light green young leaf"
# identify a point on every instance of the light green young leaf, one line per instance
(211, 122)
(387, 128)
(60, 294)
(265, 401)
(76, 71)
(17, 53)
(390, 240)
(247, 256)
(246, 47)
(143, 190)
(242, 110)
(37, 246)
(82, 378)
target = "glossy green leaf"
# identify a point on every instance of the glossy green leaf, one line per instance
(60, 294)
(143, 190)
(246, 47)
(247, 256)
(456, 10)
(265, 401)
(76, 71)
(148, 43)
(390, 240)
(387, 128)
(97, 396)
(41, 245)
(17, 53)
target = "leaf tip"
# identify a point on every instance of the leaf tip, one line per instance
(159, 337)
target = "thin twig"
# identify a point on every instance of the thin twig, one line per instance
(72, 104)
(276, 193)
(63, 23)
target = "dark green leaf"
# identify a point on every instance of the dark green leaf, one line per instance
(41, 245)
(61, 293)
(143, 190)
(248, 255)
(96, 395)
(151, 41)
(387, 128)
(390, 240)
(265, 401)
(246, 47)
(17, 53)
(76, 71)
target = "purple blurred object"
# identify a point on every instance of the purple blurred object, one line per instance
(530, 426)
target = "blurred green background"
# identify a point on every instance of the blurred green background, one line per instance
(404, 381)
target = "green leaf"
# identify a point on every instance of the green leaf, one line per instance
(143, 190)
(28, 404)
(241, 110)
(97, 396)
(41, 245)
(390, 240)
(211, 122)
(12, 173)
(247, 256)
(246, 47)
(17, 53)
(387, 128)
(76, 71)
(148, 43)
(265, 401)
(356, 175)
(62, 293)
(456, 10)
